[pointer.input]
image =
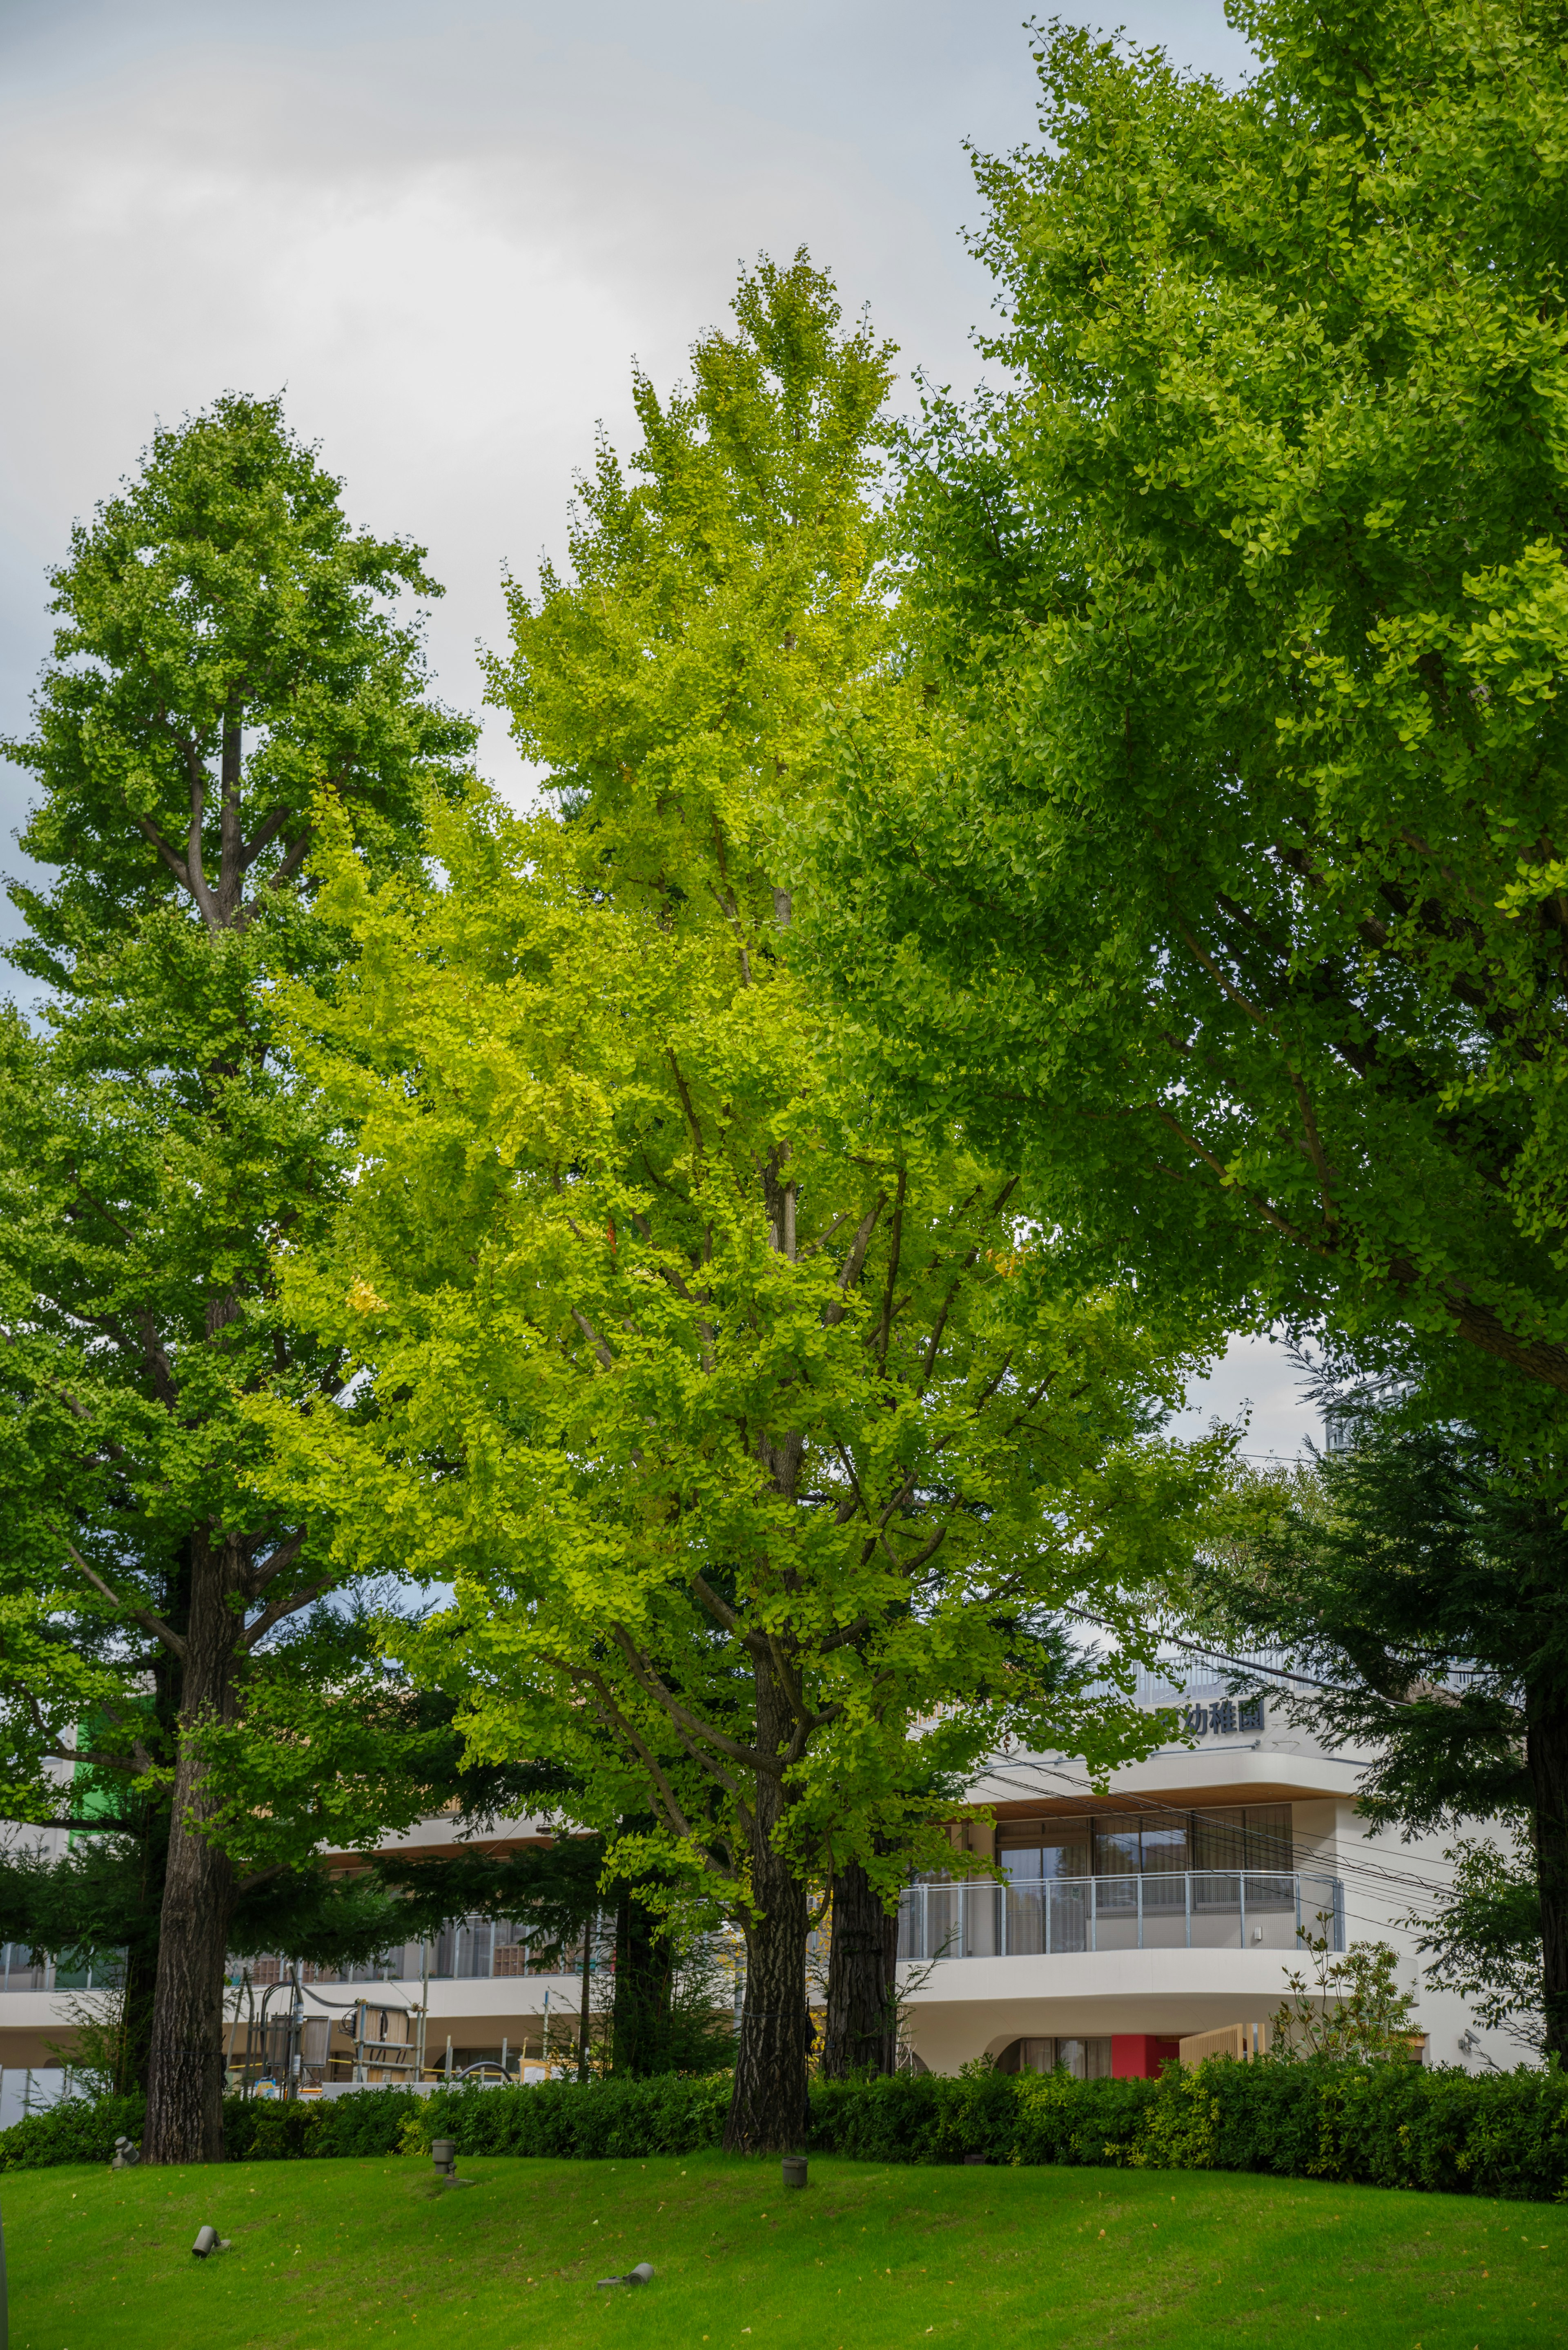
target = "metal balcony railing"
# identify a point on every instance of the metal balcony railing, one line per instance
(1198, 1909)
(23, 1968)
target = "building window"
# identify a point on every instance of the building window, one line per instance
(1251, 1836)
(1031, 1850)
(1085, 2060)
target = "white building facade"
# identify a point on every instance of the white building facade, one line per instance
(1168, 1906)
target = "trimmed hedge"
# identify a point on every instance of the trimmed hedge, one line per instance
(1378, 2126)
(74, 2131)
(1390, 2125)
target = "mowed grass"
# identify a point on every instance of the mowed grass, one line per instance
(335, 2255)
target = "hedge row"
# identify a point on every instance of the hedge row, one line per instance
(1376, 2126)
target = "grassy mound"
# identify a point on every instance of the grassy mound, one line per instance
(331, 2255)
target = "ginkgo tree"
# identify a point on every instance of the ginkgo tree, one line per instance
(229, 657)
(762, 1452)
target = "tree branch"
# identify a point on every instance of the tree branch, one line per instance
(142, 1616)
(684, 1719)
(274, 1563)
(277, 1609)
(606, 1360)
(850, 1270)
(1200, 1150)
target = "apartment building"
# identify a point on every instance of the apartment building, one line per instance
(1168, 1906)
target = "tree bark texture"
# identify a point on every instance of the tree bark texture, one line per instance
(860, 2025)
(768, 2108)
(1546, 1753)
(140, 1982)
(186, 2069)
(644, 1983)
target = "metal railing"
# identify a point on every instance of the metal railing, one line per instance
(22, 1968)
(1197, 1909)
(470, 1950)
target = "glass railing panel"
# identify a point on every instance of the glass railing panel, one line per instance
(1211, 1908)
(911, 1922)
(983, 1920)
(1068, 1916)
(1026, 1920)
(1322, 1909)
(1270, 1904)
(1216, 1909)
(1116, 1913)
(1165, 1903)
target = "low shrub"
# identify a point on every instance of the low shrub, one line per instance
(80, 2129)
(671, 2113)
(1381, 2125)
(373, 2121)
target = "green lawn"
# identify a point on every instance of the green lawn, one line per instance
(329, 2255)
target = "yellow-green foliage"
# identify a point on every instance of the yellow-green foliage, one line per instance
(748, 1426)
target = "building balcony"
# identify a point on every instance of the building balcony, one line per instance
(1192, 1909)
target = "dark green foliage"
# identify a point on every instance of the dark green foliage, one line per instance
(1224, 898)
(221, 592)
(224, 670)
(1486, 1942)
(1413, 1553)
(552, 1889)
(79, 2130)
(260, 2129)
(1370, 2125)
(1444, 2131)
(670, 2114)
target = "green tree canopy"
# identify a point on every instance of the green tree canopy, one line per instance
(752, 1429)
(1421, 1579)
(224, 668)
(1228, 896)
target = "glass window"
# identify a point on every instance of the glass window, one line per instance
(1029, 1850)
(1165, 1842)
(1085, 2060)
(1219, 1838)
(1116, 1846)
(1269, 1838)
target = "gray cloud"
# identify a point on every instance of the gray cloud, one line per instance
(446, 232)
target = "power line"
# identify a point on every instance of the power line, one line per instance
(1369, 1872)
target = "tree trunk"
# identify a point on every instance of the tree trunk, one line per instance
(860, 2027)
(141, 1961)
(1546, 1753)
(185, 2071)
(644, 1979)
(768, 2112)
(585, 2013)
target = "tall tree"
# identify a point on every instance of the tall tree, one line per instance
(860, 2011)
(1229, 895)
(1424, 1579)
(748, 1426)
(224, 668)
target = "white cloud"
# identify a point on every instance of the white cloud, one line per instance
(1255, 1376)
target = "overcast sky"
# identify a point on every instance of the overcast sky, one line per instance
(445, 232)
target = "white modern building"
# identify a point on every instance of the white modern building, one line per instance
(1170, 1908)
(1166, 1909)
